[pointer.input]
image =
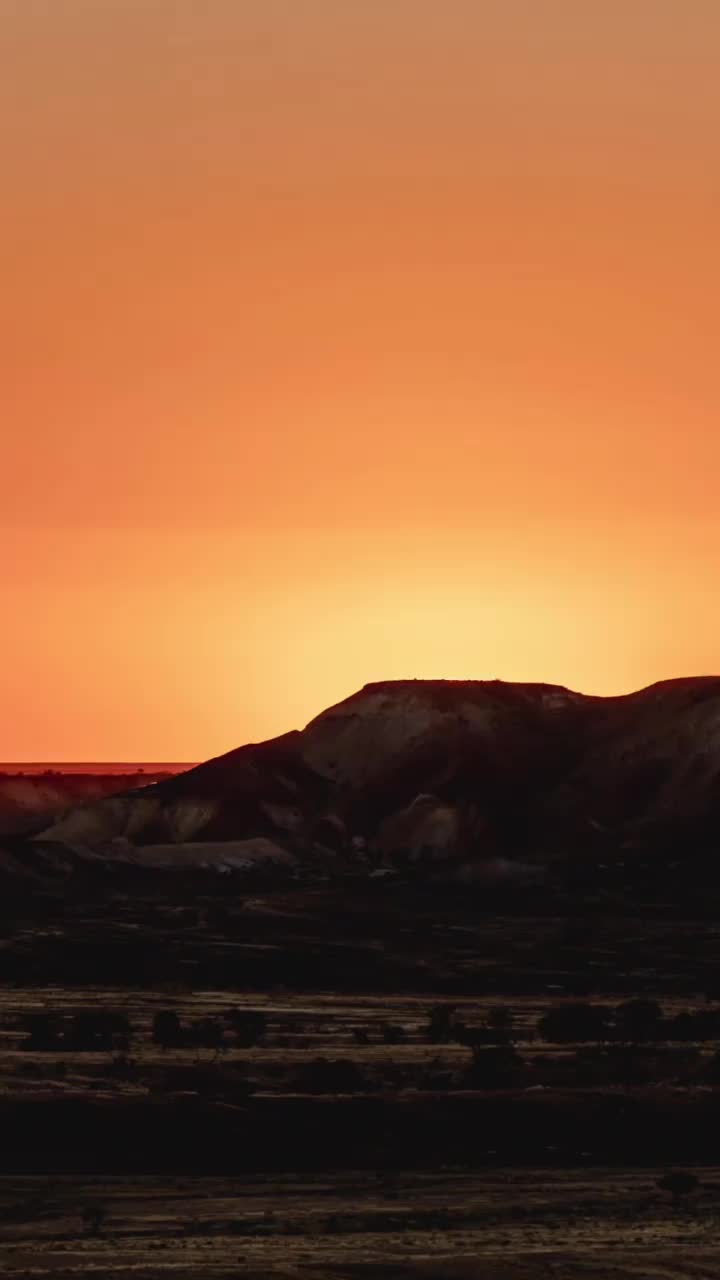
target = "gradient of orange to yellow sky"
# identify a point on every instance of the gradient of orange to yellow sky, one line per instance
(346, 340)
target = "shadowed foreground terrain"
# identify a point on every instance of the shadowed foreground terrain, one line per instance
(431, 989)
(508, 1224)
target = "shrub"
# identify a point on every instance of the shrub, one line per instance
(167, 1030)
(392, 1034)
(94, 1031)
(441, 1027)
(93, 1215)
(207, 1033)
(572, 1023)
(500, 1022)
(249, 1025)
(496, 1068)
(638, 1020)
(711, 1072)
(678, 1183)
(704, 1025)
(44, 1033)
(122, 1068)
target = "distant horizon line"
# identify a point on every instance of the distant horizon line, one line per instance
(130, 765)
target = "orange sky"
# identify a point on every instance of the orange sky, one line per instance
(346, 340)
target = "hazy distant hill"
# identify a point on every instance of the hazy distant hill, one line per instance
(468, 774)
(31, 796)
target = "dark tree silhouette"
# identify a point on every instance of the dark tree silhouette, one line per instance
(638, 1020)
(392, 1034)
(167, 1030)
(703, 1025)
(249, 1025)
(573, 1023)
(93, 1216)
(208, 1034)
(441, 1027)
(44, 1033)
(500, 1022)
(679, 1184)
(95, 1031)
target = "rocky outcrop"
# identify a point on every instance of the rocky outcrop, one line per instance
(412, 771)
(29, 801)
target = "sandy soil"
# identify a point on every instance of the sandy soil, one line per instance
(506, 1224)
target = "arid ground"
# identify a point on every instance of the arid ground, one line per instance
(306, 1012)
(509, 1224)
(209, 1130)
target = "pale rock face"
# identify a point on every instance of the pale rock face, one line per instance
(558, 700)
(92, 824)
(129, 817)
(354, 741)
(186, 818)
(27, 802)
(426, 829)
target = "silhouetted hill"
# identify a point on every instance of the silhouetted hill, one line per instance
(468, 774)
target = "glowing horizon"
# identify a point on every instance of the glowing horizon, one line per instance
(350, 342)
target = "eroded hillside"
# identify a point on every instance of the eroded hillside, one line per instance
(465, 774)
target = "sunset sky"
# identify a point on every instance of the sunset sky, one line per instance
(347, 340)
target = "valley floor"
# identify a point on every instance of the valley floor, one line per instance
(446, 1225)
(402, 1111)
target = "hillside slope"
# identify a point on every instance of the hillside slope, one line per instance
(406, 771)
(29, 801)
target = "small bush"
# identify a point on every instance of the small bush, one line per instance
(94, 1031)
(573, 1023)
(704, 1025)
(441, 1027)
(495, 1068)
(500, 1022)
(638, 1020)
(678, 1184)
(93, 1215)
(167, 1030)
(249, 1025)
(207, 1033)
(392, 1034)
(44, 1033)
